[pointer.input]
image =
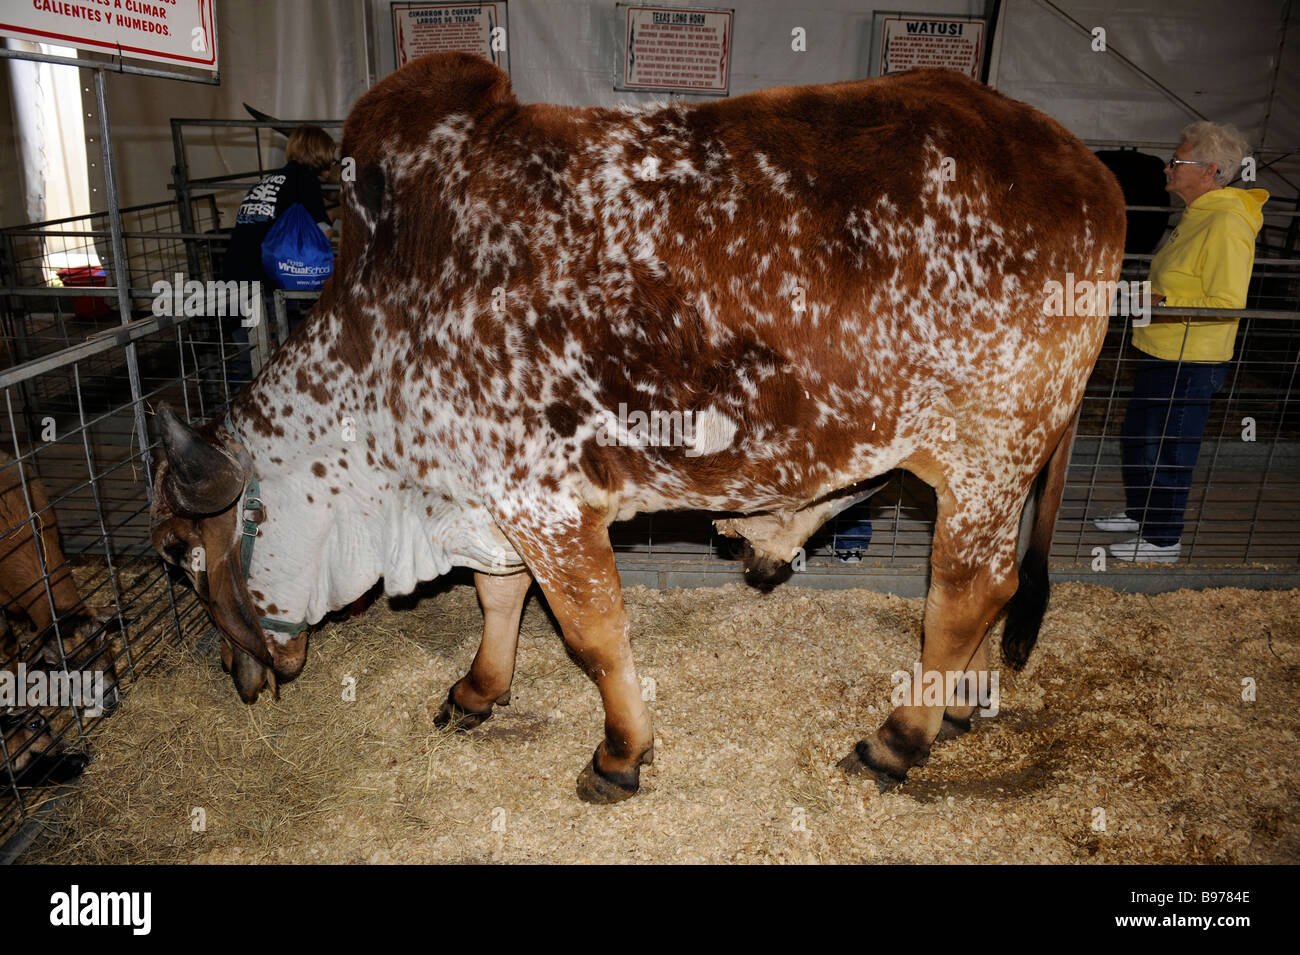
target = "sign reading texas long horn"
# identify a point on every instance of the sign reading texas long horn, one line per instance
(676, 48)
(183, 32)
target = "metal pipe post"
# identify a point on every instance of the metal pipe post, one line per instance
(181, 182)
(120, 277)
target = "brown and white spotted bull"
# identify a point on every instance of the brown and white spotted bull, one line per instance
(827, 282)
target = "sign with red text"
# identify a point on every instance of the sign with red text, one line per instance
(421, 28)
(182, 32)
(950, 43)
(676, 49)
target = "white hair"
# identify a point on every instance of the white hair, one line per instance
(1221, 144)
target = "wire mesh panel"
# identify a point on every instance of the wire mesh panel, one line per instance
(84, 591)
(156, 246)
(40, 265)
(1244, 502)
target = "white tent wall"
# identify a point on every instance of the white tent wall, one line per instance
(295, 59)
(306, 59)
(567, 51)
(13, 204)
(1220, 58)
(1284, 116)
(300, 59)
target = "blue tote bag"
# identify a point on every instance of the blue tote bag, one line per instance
(296, 256)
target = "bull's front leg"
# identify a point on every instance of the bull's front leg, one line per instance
(470, 700)
(957, 717)
(573, 563)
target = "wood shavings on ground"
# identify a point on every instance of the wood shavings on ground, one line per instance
(1125, 740)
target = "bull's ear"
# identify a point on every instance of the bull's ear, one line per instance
(201, 478)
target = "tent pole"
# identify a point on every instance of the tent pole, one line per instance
(121, 277)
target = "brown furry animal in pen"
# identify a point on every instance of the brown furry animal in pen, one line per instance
(25, 567)
(34, 755)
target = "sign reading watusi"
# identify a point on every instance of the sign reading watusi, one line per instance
(953, 44)
(182, 32)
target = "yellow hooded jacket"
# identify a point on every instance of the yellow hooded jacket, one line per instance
(1205, 264)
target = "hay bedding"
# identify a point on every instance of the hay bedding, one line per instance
(1131, 704)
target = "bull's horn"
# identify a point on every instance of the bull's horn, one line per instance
(201, 478)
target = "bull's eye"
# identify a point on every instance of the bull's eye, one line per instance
(173, 550)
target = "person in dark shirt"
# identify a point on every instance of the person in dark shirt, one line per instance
(310, 154)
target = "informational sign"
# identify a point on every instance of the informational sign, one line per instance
(420, 28)
(182, 32)
(908, 41)
(677, 49)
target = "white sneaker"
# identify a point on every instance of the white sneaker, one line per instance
(1120, 522)
(1144, 552)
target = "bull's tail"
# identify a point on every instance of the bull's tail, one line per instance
(1025, 610)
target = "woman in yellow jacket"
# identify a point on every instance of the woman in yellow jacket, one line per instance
(1206, 263)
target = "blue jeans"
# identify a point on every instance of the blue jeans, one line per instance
(853, 530)
(239, 364)
(239, 367)
(1161, 440)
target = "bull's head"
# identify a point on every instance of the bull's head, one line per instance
(196, 524)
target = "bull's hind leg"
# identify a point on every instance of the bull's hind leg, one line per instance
(573, 563)
(957, 717)
(973, 575)
(470, 700)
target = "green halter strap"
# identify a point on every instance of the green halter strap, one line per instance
(253, 512)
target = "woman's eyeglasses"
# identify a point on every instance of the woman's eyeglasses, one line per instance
(1175, 163)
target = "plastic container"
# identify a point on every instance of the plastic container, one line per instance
(87, 307)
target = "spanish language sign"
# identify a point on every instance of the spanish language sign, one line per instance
(182, 32)
(951, 43)
(436, 27)
(678, 49)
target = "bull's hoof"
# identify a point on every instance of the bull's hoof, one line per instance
(601, 788)
(861, 763)
(453, 715)
(952, 728)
